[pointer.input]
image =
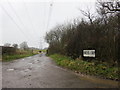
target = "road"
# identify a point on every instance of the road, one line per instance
(41, 72)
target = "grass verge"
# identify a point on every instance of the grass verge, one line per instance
(13, 57)
(102, 70)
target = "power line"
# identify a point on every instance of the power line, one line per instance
(41, 43)
(49, 15)
(48, 21)
(29, 17)
(19, 28)
(17, 15)
(44, 14)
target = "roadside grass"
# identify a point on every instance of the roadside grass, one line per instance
(102, 69)
(19, 54)
(13, 57)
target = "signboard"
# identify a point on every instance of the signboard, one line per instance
(89, 53)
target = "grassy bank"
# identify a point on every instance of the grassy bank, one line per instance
(19, 54)
(102, 69)
(13, 57)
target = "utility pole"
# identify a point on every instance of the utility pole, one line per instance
(40, 47)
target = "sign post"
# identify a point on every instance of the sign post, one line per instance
(89, 53)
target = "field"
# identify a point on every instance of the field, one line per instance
(18, 54)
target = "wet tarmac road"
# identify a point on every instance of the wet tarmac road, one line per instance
(41, 72)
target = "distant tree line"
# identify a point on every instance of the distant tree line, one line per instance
(101, 32)
(23, 45)
(12, 49)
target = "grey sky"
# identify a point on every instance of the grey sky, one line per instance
(31, 16)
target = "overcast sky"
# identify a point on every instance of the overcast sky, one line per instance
(27, 20)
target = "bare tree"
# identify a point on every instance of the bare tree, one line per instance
(24, 46)
(88, 14)
(108, 7)
(15, 46)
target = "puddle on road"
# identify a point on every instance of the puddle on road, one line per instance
(35, 62)
(30, 63)
(38, 66)
(26, 70)
(10, 69)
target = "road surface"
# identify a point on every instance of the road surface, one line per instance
(41, 72)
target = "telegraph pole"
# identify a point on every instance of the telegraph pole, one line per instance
(40, 47)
